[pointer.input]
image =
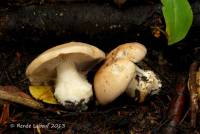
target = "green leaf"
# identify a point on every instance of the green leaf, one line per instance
(178, 18)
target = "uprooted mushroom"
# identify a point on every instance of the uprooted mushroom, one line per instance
(66, 66)
(120, 74)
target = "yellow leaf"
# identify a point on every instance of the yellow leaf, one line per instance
(43, 93)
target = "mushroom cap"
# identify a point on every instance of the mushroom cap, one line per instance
(134, 52)
(43, 68)
(112, 80)
(114, 76)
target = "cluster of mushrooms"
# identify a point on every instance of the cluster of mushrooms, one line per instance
(65, 67)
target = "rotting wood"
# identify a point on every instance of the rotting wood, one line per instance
(46, 22)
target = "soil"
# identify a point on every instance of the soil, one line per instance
(122, 116)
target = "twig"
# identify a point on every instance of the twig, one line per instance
(13, 94)
(192, 87)
(198, 82)
(5, 114)
(185, 115)
(176, 108)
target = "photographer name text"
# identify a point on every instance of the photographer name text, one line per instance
(38, 125)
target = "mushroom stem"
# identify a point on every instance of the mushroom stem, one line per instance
(145, 82)
(71, 88)
(140, 71)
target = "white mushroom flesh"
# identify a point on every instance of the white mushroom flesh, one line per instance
(71, 86)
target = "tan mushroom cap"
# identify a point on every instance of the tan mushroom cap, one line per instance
(43, 68)
(114, 76)
(134, 52)
(112, 80)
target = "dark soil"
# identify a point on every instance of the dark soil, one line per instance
(122, 116)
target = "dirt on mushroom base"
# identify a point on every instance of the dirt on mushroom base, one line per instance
(124, 115)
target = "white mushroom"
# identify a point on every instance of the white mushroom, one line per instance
(67, 65)
(145, 82)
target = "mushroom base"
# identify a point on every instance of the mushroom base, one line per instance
(81, 106)
(72, 88)
(144, 83)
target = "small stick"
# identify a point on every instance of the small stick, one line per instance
(192, 87)
(13, 94)
(5, 114)
(176, 108)
(198, 82)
